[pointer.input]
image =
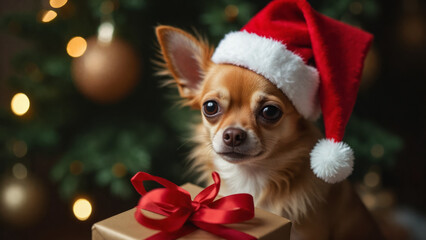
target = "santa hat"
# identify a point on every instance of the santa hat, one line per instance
(316, 61)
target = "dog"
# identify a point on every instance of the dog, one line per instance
(254, 137)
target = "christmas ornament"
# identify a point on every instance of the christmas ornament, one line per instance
(280, 43)
(22, 200)
(107, 71)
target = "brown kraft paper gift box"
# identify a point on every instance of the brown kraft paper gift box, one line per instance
(264, 226)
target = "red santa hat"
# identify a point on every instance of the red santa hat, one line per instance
(316, 61)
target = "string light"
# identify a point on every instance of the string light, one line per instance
(372, 179)
(57, 3)
(20, 104)
(119, 170)
(231, 12)
(22, 201)
(76, 167)
(14, 196)
(105, 32)
(19, 148)
(82, 209)
(107, 7)
(48, 16)
(385, 199)
(369, 200)
(76, 47)
(377, 150)
(19, 171)
(356, 8)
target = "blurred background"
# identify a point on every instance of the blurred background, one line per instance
(81, 110)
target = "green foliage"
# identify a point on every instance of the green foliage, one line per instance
(63, 126)
(372, 145)
(220, 21)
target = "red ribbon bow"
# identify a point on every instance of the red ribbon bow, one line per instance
(183, 215)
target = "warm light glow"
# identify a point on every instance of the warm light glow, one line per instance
(372, 179)
(105, 32)
(82, 209)
(76, 167)
(19, 171)
(377, 151)
(76, 46)
(48, 16)
(20, 148)
(58, 3)
(14, 196)
(356, 8)
(107, 7)
(119, 170)
(231, 11)
(385, 199)
(20, 104)
(369, 200)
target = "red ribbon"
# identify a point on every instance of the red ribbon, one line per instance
(184, 215)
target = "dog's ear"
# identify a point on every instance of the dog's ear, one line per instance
(186, 58)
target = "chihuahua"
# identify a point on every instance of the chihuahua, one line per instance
(254, 137)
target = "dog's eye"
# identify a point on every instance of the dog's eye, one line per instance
(210, 108)
(270, 113)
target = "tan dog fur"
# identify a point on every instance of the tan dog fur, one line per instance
(278, 171)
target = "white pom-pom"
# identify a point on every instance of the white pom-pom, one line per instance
(332, 161)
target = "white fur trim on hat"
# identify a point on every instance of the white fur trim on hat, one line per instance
(332, 161)
(271, 59)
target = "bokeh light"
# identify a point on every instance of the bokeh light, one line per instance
(19, 148)
(372, 179)
(82, 209)
(76, 47)
(231, 12)
(14, 196)
(48, 16)
(356, 8)
(106, 32)
(369, 200)
(107, 7)
(119, 170)
(19, 171)
(20, 104)
(76, 167)
(57, 3)
(377, 150)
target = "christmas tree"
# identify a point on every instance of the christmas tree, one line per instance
(87, 111)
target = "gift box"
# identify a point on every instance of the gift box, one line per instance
(264, 225)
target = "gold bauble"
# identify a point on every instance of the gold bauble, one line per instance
(106, 72)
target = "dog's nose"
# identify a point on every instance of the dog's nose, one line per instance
(234, 137)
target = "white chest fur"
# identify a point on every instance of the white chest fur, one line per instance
(240, 178)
